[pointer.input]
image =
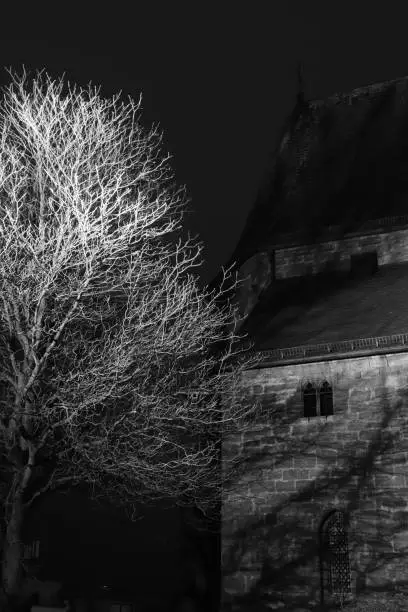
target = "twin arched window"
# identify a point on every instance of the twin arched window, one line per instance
(317, 400)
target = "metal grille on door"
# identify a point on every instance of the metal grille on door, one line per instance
(336, 554)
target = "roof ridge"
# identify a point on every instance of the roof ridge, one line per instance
(376, 85)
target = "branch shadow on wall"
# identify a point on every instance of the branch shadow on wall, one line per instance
(285, 477)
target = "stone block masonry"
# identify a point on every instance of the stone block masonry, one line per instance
(391, 248)
(295, 471)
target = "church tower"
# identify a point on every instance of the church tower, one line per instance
(318, 512)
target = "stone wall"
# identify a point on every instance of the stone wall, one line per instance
(293, 471)
(391, 247)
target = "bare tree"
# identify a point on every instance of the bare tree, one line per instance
(109, 374)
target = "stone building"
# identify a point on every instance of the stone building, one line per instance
(317, 512)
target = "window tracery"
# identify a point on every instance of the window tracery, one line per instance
(335, 562)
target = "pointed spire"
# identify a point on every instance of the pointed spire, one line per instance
(301, 98)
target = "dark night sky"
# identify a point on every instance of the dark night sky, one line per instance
(219, 81)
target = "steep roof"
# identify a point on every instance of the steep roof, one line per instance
(339, 161)
(330, 309)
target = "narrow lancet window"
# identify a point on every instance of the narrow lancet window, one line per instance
(309, 401)
(326, 399)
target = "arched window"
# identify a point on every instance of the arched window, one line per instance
(334, 556)
(309, 400)
(326, 399)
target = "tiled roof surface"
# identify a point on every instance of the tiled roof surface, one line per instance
(320, 309)
(339, 161)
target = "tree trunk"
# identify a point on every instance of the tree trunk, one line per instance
(12, 551)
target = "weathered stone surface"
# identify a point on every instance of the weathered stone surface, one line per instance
(355, 460)
(391, 248)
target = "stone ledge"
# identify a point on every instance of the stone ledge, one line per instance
(336, 232)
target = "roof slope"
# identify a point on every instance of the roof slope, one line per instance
(321, 309)
(340, 161)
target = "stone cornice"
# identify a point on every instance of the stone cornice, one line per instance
(336, 232)
(333, 350)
